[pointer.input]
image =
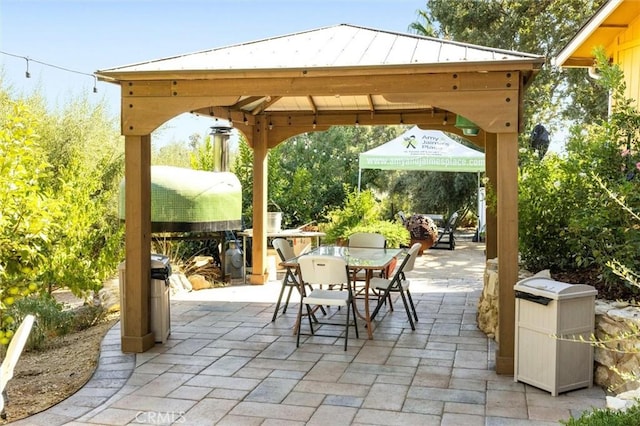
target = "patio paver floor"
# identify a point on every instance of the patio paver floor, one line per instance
(227, 363)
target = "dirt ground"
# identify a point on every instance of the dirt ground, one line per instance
(42, 379)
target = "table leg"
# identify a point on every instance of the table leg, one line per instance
(366, 317)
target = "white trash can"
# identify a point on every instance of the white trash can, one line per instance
(551, 317)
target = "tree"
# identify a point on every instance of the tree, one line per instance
(85, 150)
(26, 222)
(541, 27)
(173, 154)
(308, 173)
(570, 208)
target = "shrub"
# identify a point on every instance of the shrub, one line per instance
(360, 209)
(567, 221)
(52, 320)
(395, 234)
(606, 417)
(362, 213)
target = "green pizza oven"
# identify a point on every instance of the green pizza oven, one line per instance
(186, 200)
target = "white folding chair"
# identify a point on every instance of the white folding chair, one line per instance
(398, 283)
(13, 354)
(285, 252)
(365, 240)
(332, 271)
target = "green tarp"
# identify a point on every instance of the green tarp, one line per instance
(185, 200)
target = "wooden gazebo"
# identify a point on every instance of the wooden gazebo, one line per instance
(276, 88)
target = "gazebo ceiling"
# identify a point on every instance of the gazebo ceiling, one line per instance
(341, 74)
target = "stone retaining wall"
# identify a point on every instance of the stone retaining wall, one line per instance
(617, 326)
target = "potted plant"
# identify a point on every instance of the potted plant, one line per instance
(423, 230)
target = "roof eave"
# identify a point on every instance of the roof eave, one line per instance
(563, 59)
(527, 65)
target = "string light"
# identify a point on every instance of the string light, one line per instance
(27, 74)
(445, 121)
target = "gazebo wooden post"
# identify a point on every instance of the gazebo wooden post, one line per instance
(507, 232)
(134, 303)
(260, 139)
(491, 171)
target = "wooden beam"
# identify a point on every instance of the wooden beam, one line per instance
(135, 315)
(266, 104)
(142, 115)
(246, 101)
(532, 65)
(330, 85)
(259, 273)
(491, 172)
(312, 103)
(507, 233)
(372, 107)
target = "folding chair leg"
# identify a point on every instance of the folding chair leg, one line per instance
(311, 317)
(355, 318)
(275, 313)
(286, 303)
(406, 308)
(346, 330)
(299, 324)
(413, 308)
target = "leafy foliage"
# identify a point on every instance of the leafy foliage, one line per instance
(26, 223)
(534, 26)
(308, 173)
(84, 149)
(606, 417)
(58, 222)
(394, 233)
(568, 218)
(360, 209)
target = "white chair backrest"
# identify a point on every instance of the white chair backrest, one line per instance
(317, 269)
(413, 255)
(14, 350)
(284, 248)
(367, 240)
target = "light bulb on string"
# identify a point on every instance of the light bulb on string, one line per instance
(27, 73)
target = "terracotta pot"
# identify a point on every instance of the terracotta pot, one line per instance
(425, 244)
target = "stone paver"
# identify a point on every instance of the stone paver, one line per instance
(226, 363)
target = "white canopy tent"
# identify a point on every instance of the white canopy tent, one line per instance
(430, 150)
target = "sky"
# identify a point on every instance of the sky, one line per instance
(84, 36)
